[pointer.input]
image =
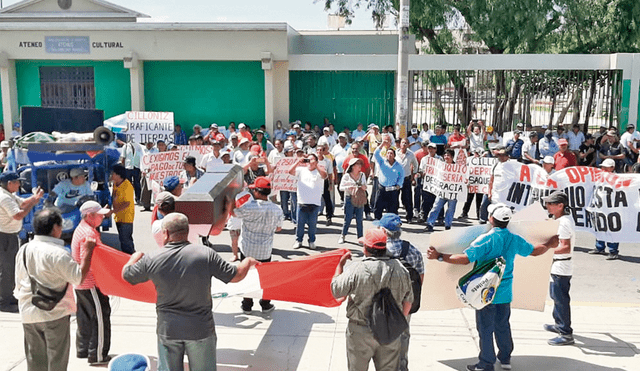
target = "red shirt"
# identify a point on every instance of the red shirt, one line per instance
(565, 159)
(363, 158)
(246, 134)
(420, 154)
(82, 232)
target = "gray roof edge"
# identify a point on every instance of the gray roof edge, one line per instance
(141, 26)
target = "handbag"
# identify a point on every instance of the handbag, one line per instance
(477, 289)
(359, 197)
(42, 296)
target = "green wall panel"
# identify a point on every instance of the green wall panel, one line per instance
(624, 110)
(204, 92)
(111, 81)
(345, 97)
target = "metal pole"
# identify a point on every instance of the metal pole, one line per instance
(402, 76)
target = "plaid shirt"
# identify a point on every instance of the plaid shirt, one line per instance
(260, 219)
(414, 256)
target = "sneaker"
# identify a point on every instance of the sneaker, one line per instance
(562, 340)
(597, 252)
(463, 216)
(447, 228)
(245, 310)
(369, 217)
(612, 256)
(9, 308)
(421, 220)
(477, 368)
(483, 221)
(82, 355)
(505, 365)
(297, 245)
(440, 223)
(551, 328)
(268, 309)
(94, 360)
(329, 222)
(312, 245)
(428, 228)
(341, 240)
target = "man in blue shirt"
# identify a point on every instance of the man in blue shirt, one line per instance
(439, 139)
(390, 179)
(494, 318)
(179, 136)
(514, 146)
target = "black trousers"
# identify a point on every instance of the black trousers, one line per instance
(247, 303)
(326, 196)
(417, 197)
(467, 204)
(9, 245)
(145, 194)
(428, 199)
(134, 177)
(407, 197)
(341, 193)
(386, 201)
(93, 338)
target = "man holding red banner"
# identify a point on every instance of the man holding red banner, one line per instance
(181, 273)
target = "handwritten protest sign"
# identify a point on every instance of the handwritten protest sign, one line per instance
(444, 180)
(281, 180)
(161, 165)
(145, 127)
(479, 173)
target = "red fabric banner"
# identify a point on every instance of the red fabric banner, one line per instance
(107, 264)
(306, 280)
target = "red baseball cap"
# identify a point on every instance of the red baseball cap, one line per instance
(220, 137)
(562, 141)
(261, 182)
(375, 239)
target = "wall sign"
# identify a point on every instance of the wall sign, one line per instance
(67, 44)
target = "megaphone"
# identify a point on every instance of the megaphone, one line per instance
(102, 135)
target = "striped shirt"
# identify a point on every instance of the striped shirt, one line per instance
(82, 232)
(260, 219)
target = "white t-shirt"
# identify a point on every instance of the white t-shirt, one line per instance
(310, 186)
(565, 232)
(499, 182)
(629, 137)
(475, 141)
(209, 161)
(69, 194)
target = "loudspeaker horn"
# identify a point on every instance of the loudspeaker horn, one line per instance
(102, 135)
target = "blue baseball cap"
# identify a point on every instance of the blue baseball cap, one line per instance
(171, 183)
(389, 221)
(8, 176)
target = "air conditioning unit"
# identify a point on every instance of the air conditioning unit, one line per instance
(336, 21)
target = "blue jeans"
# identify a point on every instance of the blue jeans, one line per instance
(613, 246)
(349, 212)
(484, 213)
(284, 204)
(310, 218)
(437, 206)
(559, 291)
(490, 320)
(125, 235)
(201, 354)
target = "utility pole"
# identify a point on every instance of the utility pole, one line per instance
(402, 76)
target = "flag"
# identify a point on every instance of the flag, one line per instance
(306, 280)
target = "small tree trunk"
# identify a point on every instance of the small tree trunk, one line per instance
(592, 93)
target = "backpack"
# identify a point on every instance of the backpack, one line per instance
(416, 282)
(386, 320)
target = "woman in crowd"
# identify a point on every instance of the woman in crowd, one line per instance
(352, 181)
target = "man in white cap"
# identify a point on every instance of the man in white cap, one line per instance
(68, 192)
(327, 138)
(548, 164)
(93, 337)
(240, 155)
(415, 142)
(244, 132)
(494, 318)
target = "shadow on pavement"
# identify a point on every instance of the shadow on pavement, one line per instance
(530, 363)
(615, 348)
(281, 346)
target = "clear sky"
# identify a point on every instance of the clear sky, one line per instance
(299, 14)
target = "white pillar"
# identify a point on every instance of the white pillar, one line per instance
(269, 110)
(9, 89)
(136, 73)
(402, 76)
(634, 91)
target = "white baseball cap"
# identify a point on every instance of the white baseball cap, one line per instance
(608, 163)
(500, 212)
(548, 160)
(92, 207)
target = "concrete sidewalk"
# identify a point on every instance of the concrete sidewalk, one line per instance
(304, 337)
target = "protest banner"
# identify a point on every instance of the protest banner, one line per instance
(143, 127)
(158, 166)
(604, 204)
(444, 180)
(479, 173)
(281, 180)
